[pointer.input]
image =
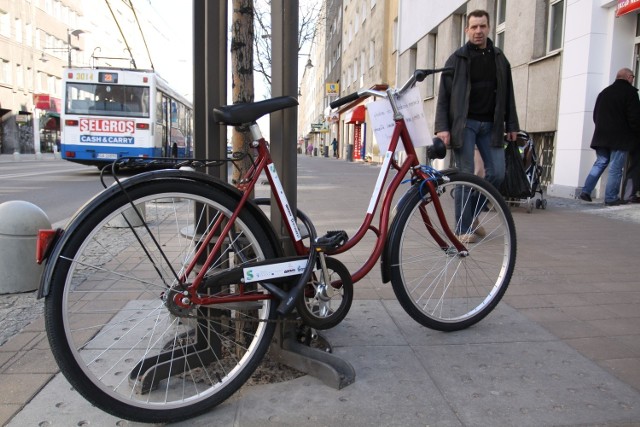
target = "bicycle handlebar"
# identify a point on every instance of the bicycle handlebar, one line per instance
(344, 100)
(417, 76)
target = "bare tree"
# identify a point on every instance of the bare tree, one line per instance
(242, 36)
(309, 14)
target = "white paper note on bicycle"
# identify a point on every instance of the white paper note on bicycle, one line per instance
(410, 105)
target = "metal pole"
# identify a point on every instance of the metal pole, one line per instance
(284, 81)
(210, 80)
(69, 48)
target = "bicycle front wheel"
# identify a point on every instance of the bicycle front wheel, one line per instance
(437, 285)
(114, 316)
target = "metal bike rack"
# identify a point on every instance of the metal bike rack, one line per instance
(328, 368)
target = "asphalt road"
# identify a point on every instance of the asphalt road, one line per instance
(58, 187)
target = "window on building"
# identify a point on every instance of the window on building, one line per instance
(394, 36)
(555, 25)
(5, 24)
(39, 79)
(372, 53)
(57, 9)
(51, 84)
(28, 34)
(463, 26)
(29, 79)
(19, 76)
(18, 26)
(501, 13)
(5, 71)
(429, 82)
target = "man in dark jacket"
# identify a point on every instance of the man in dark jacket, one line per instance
(616, 115)
(476, 105)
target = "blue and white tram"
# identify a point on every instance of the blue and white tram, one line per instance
(112, 113)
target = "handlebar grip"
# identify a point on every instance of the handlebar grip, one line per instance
(344, 100)
(422, 74)
(437, 150)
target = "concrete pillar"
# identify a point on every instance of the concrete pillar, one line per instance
(19, 225)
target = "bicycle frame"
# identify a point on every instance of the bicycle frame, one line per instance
(264, 162)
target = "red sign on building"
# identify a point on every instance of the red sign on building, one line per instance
(626, 6)
(43, 101)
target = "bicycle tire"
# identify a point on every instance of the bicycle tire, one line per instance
(116, 335)
(442, 288)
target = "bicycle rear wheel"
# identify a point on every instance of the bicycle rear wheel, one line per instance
(438, 286)
(112, 317)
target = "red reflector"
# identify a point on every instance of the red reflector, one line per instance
(145, 79)
(70, 122)
(69, 75)
(70, 154)
(43, 244)
(142, 125)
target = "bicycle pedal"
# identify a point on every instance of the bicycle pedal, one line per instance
(332, 240)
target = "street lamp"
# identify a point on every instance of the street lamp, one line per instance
(68, 49)
(309, 63)
(75, 33)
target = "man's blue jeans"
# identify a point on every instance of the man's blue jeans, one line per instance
(615, 160)
(477, 134)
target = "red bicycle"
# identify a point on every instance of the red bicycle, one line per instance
(164, 291)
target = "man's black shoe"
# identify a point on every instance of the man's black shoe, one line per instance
(616, 202)
(634, 199)
(586, 197)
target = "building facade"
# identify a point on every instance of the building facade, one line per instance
(39, 38)
(366, 56)
(562, 53)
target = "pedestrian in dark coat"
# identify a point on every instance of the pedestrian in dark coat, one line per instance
(616, 115)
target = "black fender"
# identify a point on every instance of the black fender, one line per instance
(386, 252)
(166, 174)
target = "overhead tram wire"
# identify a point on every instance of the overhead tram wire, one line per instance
(133, 61)
(144, 39)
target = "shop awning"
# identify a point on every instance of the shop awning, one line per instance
(50, 121)
(627, 6)
(356, 115)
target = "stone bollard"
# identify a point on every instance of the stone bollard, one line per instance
(19, 225)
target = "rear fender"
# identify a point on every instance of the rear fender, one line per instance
(97, 201)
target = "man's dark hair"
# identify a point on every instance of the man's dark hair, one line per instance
(478, 13)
